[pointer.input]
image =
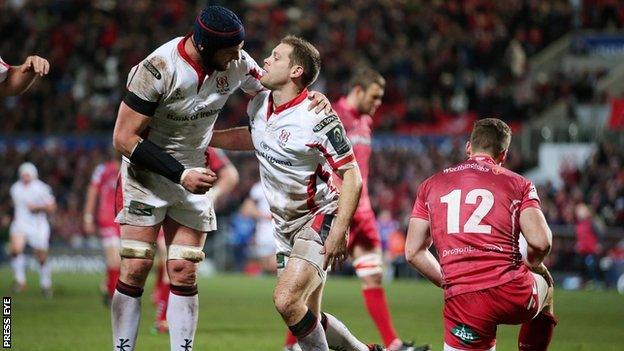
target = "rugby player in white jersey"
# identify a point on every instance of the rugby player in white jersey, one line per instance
(163, 127)
(297, 151)
(15, 80)
(32, 201)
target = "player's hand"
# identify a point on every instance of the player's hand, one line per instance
(335, 248)
(89, 228)
(35, 64)
(321, 102)
(198, 180)
(543, 271)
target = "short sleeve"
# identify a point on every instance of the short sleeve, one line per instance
(146, 84)
(48, 196)
(216, 159)
(251, 81)
(529, 196)
(96, 177)
(420, 209)
(4, 70)
(332, 142)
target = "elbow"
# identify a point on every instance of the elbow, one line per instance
(122, 143)
(411, 256)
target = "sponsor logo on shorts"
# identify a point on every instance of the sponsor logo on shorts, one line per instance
(281, 261)
(152, 69)
(465, 334)
(140, 209)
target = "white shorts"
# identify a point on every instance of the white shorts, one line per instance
(148, 197)
(37, 235)
(305, 244)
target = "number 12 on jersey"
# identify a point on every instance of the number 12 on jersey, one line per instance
(453, 200)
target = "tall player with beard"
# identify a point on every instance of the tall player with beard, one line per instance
(163, 127)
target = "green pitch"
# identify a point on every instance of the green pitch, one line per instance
(237, 314)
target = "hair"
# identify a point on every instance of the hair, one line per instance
(305, 55)
(365, 77)
(490, 135)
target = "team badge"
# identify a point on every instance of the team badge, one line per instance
(283, 137)
(223, 86)
(140, 209)
(465, 334)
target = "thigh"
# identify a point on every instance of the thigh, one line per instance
(142, 197)
(194, 211)
(17, 242)
(469, 322)
(179, 234)
(39, 238)
(364, 233)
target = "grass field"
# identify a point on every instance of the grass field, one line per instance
(237, 314)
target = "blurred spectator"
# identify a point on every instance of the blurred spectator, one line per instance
(588, 246)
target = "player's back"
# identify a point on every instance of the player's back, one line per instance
(473, 209)
(105, 178)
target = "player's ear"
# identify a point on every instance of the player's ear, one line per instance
(468, 148)
(503, 157)
(296, 71)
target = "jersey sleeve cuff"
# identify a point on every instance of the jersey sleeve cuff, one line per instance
(144, 107)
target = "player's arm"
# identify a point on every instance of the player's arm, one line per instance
(320, 103)
(127, 140)
(89, 209)
(21, 77)
(227, 178)
(250, 209)
(236, 139)
(417, 250)
(335, 248)
(537, 234)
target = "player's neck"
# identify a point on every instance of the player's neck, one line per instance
(189, 47)
(352, 101)
(285, 93)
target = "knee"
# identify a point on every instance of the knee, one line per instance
(372, 281)
(136, 270)
(284, 302)
(182, 272)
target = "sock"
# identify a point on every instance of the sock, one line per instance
(125, 313)
(536, 334)
(18, 263)
(310, 333)
(112, 275)
(162, 300)
(182, 316)
(338, 336)
(45, 276)
(377, 306)
(290, 339)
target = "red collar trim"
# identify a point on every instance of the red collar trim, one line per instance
(484, 158)
(294, 102)
(201, 74)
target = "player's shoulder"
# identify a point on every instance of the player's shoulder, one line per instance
(163, 59)
(322, 122)
(257, 102)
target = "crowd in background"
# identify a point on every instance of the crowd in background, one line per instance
(441, 59)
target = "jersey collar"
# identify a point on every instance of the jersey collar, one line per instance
(483, 158)
(201, 74)
(294, 102)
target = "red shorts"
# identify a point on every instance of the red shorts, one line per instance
(470, 319)
(110, 231)
(363, 231)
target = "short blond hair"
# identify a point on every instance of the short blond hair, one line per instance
(305, 55)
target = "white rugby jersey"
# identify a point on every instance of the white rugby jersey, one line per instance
(35, 193)
(186, 99)
(4, 70)
(297, 150)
